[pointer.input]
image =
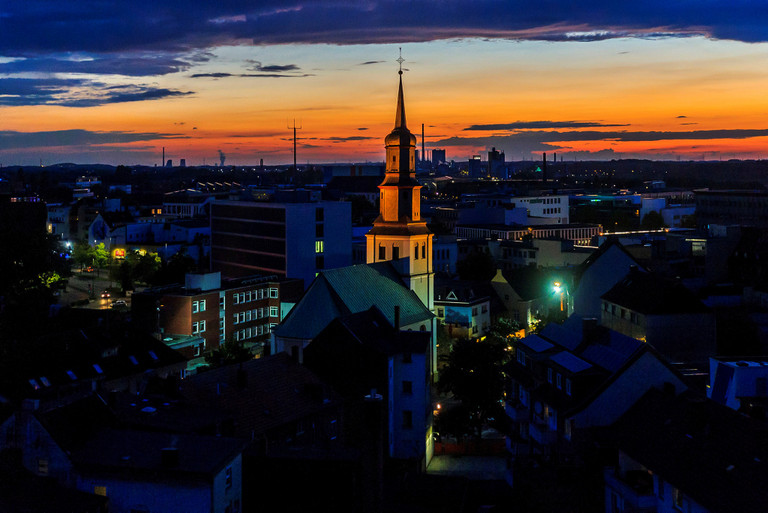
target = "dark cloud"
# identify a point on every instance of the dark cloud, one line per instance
(39, 28)
(249, 75)
(75, 92)
(367, 63)
(533, 141)
(347, 139)
(363, 128)
(135, 66)
(538, 125)
(272, 68)
(211, 75)
(14, 140)
(681, 117)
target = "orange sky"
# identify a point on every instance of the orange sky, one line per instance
(345, 107)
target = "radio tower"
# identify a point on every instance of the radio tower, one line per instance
(294, 143)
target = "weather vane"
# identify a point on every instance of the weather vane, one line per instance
(400, 60)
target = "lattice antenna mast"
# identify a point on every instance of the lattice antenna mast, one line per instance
(294, 127)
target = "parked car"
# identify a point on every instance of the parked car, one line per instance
(119, 302)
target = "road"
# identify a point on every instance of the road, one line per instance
(80, 287)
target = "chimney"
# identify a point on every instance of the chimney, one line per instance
(588, 329)
(397, 317)
(544, 168)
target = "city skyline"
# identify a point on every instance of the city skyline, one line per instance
(115, 84)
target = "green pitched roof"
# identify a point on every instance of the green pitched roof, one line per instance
(346, 290)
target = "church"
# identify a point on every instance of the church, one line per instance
(398, 277)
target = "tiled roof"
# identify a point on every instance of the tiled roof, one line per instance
(338, 292)
(651, 294)
(536, 343)
(714, 455)
(570, 362)
(261, 394)
(135, 452)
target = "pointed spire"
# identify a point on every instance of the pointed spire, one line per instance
(400, 116)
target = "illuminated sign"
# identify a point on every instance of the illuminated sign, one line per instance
(119, 253)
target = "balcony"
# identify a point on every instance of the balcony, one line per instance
(517, 412)
(635, 487)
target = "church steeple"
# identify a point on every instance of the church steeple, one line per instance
(399, 232)
(400, 115)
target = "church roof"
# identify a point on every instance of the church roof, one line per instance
(346, 290)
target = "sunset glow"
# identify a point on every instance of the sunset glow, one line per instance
(584, 88)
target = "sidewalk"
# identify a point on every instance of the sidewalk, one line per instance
(482, 468)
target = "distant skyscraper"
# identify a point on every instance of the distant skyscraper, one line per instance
(438, 156)
(496, 163)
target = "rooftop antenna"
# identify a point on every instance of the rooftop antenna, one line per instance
(294, 127)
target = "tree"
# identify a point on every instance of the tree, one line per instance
(652, 221)
(478, 265)
(473, 375)
(231, 351)
(83, 254)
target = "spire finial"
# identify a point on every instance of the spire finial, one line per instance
(400, 60)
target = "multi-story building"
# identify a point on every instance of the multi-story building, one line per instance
(662, 313)
(575, 376)
(731, 207)
(545, 209)
(290, 240)
(362, 352)
(683, 453)
(243, 310)
(463, 308)
(579, 233)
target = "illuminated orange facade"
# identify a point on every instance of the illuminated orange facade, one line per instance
(399, 232)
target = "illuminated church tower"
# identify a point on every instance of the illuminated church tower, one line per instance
(399, 232)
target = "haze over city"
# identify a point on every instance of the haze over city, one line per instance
(117, 82)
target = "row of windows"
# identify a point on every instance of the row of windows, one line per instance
(252, 332)
(198, 327)
(198, 306)
(558, 379)
(551, 210)
(252, 315)
(254, 295)
(623, 313)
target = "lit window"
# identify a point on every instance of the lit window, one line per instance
(273, 293)
(273, 311)
(202, 326)
(202, 305)
(195, 306)
(319, 246)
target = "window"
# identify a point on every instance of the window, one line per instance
(273, 311)
(319, 214)
(440, 312)
(407, 419)
(198, 327)
(202, 305)
(319, 231)
(677, 498)
(319, 246)
(382, 253)
(235, 299)
(423, 250)
(100, 490)
(408, 387)
(221, 302)
(568, 386)
(474, 311)
(549, 375)
(195, 306)
(521, 357)
(228, 477)
(273, 293)
(319, 262)
(559, 381)
(416, 252)
(395, 252)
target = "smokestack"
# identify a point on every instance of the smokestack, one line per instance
(544, 168)
(423, 153)
(397, 317)
(162, 162)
